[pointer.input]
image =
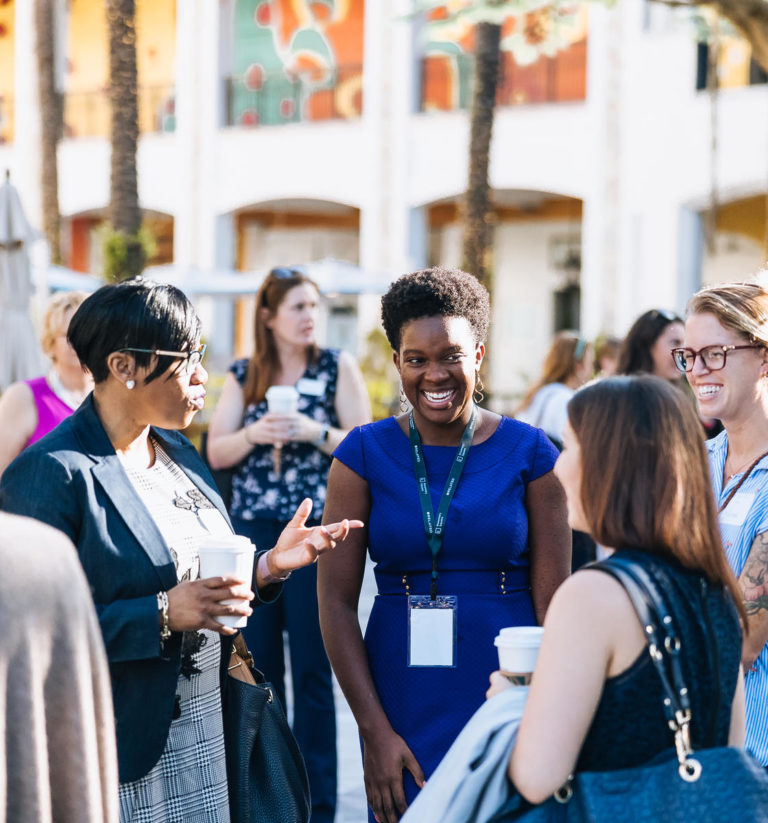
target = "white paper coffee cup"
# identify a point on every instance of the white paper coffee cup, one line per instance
(518, 648)
(228, 555)
(282, 400)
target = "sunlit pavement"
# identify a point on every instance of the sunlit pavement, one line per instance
(351, 806)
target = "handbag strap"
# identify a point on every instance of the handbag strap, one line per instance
(664, 647)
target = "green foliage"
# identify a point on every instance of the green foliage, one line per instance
(125, 255)
(380, 375)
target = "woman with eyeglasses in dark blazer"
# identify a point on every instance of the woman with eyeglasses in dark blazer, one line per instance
(278, 460)
(136, 499)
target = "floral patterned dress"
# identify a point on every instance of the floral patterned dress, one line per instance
(257, 491)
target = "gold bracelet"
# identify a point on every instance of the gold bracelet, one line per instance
(162, 606)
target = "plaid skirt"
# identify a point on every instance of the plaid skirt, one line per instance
(189, 782)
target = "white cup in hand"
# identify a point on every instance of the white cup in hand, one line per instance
(518, 648)
(228, 555)
(282, 400)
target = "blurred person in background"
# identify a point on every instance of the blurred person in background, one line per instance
(725, 358)
(569, 363)
(58, 760)
(647, 350)
(506, 546)
(647, 346)
(243, 434)
(607, 355)
(29, 409)
(136, 499)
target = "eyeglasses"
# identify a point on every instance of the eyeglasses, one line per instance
(192, 359)
(713, 357)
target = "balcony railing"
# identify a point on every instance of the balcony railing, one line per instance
(446, 81)
(87, 114)
(259, 98)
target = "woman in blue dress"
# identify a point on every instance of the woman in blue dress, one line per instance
(466, 524)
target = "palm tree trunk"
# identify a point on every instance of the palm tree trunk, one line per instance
(124, 211)
(51, 123)
(476, 204)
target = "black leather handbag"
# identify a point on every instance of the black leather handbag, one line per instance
(265, 770)
(721, 784)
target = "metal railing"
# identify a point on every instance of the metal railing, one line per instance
(259, 98)
(446, 81)
(87, 114)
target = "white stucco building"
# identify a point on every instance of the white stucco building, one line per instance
(600, 193)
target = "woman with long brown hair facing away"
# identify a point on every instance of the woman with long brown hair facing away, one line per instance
(280, 458)
(634, 469)
(569, 364)
(725, 358)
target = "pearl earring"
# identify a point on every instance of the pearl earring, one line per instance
(129, 384)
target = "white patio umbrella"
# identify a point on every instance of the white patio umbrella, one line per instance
(20, 355)
(331, 275)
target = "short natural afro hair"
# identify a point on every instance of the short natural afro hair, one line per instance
(435, 292)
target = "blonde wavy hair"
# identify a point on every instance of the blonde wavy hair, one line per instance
(53, 320)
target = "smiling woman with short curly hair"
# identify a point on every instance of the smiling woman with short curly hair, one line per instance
(501, 549)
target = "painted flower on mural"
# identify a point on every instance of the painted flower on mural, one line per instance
(287, 108)
(263, 14)
(545, 31)
(253, 79)
(249, 117)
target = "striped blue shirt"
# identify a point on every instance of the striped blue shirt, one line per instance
(743, 519)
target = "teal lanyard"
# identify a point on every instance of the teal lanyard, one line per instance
(435, 526)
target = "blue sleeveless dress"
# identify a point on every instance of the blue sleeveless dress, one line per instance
(484, 562)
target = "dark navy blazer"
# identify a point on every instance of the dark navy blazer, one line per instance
(73, 480)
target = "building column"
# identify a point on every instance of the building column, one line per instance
(203, 239)
(690, 248)
(26, 171)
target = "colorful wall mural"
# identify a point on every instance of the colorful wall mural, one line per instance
(544, 58)
(296, 60)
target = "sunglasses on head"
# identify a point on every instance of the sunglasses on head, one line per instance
(287, 272)
(669, 316)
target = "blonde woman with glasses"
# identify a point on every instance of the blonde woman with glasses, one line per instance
(725, 358)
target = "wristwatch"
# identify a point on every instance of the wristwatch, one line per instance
(323, 436)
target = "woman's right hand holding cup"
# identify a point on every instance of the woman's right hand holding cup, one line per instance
(195, 604)
(269, 430)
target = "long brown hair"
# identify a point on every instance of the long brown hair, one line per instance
(645, 477)
(565, 354)
(264, 364)
(635, 354)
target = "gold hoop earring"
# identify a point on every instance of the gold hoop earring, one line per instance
(478, 394)
(403, 400)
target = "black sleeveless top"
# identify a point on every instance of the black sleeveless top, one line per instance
(629, 727)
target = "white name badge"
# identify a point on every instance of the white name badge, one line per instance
(311, 386)
(736, 511)
(432, 630)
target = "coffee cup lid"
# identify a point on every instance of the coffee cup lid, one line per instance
(519, 636)
(234, 542)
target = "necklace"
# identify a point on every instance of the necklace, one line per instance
(744, 465)
(72, 399)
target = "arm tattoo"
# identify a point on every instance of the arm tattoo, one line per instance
(753, 580)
